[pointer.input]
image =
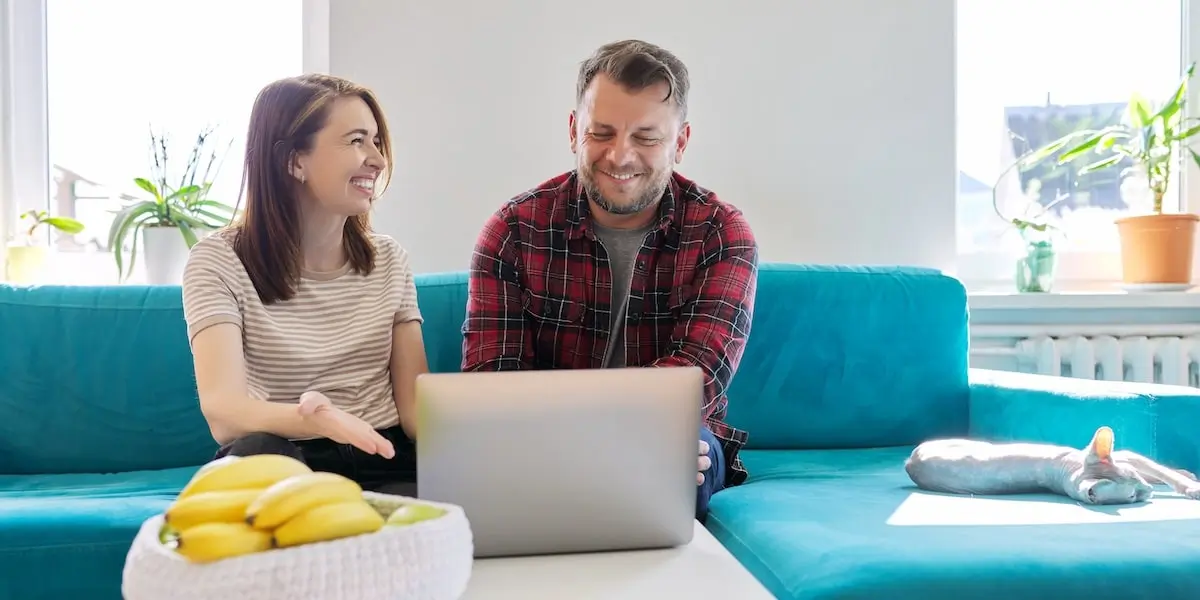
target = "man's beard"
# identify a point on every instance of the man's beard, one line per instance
(652, 194)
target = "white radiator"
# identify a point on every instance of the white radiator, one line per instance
(1171, 359)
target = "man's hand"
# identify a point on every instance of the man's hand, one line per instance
(705, 462)
(342, 427)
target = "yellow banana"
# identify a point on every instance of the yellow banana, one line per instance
(248, 472)
(215, 463)
(329, 522)
(225, 506)
(296, 494)
(209, 542)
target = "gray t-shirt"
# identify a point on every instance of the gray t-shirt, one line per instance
(622, 246)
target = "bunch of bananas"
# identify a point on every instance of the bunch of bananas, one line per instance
(235, 506)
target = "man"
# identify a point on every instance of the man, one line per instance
(621, 262)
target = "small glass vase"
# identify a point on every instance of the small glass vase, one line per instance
(1036, 268)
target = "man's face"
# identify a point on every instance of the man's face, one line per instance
(626, 144)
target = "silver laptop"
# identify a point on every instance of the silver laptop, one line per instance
(563, 461)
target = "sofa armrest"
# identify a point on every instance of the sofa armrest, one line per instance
(1159, 421)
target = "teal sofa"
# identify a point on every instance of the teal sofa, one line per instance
(846, 370)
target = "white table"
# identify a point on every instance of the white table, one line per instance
(703, 569)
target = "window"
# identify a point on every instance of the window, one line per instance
(1030, 71)
(96, 79)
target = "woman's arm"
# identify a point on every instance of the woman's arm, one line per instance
(224, 394)
(408, 361)
(408, 344)
(212, 308)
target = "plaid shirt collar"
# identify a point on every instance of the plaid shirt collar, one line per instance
(579, 212)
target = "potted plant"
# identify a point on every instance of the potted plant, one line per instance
(173, 218)
(1037, 264)
(1156, 248)
(26, 257)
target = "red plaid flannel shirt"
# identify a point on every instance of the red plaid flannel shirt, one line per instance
(540, 292)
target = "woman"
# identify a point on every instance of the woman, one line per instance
(304, 324)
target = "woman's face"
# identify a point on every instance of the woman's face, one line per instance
(341, 169)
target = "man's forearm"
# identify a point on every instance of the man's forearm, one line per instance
(495, 335)
(497, 363)
(715, 322)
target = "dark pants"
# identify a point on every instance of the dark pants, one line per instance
(714, 477)
(371, 471)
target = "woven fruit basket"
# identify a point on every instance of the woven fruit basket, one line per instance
(429, 560)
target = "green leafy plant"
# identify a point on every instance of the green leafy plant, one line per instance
(35, 219)
(1033, 223)
(185, 205)
(1035, 266)
(1152, 139)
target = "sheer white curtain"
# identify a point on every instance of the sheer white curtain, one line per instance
(6, 167)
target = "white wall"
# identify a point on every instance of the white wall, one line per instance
(829, 122)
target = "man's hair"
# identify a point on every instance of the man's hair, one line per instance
(637, 65)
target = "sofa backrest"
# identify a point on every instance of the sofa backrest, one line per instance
(850, 357)
(443, 301)
(100, 379)
(97, 379)
(838, 357)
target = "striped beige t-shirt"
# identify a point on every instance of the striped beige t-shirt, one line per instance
(334, 336)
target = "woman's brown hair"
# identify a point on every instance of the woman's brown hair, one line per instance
(286, 117)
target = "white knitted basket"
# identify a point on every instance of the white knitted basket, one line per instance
(430, 560)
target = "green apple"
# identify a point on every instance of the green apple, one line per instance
(410, 514)
(167, 535)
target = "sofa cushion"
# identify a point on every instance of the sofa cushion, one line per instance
(848, 524)
(852, 357)
(66, 536)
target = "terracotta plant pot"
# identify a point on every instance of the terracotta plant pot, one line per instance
(24, 263)
(1157, 248)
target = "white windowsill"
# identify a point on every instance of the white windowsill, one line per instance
(1083, 300)
(84, 269)
(999, 318)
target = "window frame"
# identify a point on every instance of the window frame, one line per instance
(24, 118)
(24, 127)
(25, 147)
(995, 270)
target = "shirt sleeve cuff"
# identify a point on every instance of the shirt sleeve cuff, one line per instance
(404, 316)
(206, 322)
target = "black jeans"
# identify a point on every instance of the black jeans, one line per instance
(371, 471)
(714, 477)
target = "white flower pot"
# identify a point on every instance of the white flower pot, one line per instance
(164, 254)
(24, 264)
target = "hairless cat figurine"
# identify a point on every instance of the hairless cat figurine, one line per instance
(1094, 475)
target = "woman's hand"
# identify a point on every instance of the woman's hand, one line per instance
(343, 427)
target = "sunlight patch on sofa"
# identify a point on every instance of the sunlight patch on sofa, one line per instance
(923, 509)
